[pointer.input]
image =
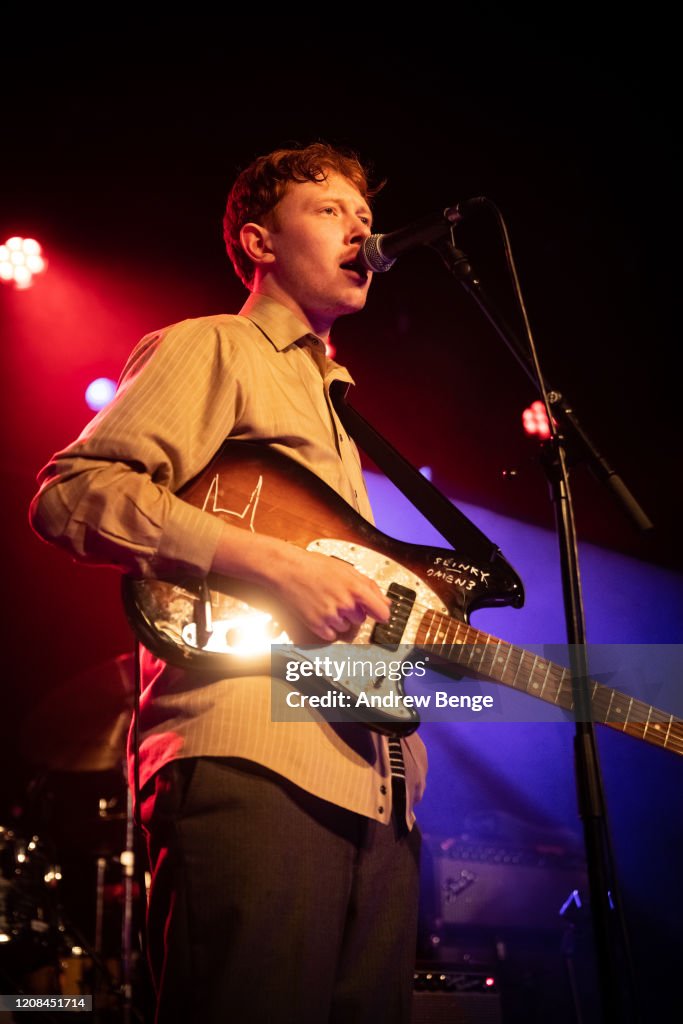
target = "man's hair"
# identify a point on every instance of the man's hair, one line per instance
(261, 186)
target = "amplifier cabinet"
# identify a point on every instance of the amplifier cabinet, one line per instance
(489, 885)
(455, 997)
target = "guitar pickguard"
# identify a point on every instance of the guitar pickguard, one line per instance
(384, 571)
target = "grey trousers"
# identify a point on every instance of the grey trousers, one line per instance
(270, 905)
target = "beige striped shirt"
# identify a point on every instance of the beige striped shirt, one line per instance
(110, 498)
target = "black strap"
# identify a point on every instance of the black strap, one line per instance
(451, 523)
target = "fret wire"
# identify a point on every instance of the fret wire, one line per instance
(445, 628)
(639, 706)
(513, 681)
(470, 647)
(531, 673)
(547, 673)
(436, 628)
(628, 712)
(497, 651)
(514, 667)
(570, 693)
(549, 681)
(457, 630)
(483, 653)
(610, 705)
(558, 692)
(507, 659)
(647, 722)
(555, 676)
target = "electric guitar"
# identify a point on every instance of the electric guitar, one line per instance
(226, 626)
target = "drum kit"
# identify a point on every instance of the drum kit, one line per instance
(70, 878)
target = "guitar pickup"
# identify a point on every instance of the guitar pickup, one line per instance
(203, 616)
(389, 634)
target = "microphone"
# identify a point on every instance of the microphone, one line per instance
(380, 252)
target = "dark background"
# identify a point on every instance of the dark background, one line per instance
(120, 143)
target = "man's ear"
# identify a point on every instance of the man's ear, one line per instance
(255, 241)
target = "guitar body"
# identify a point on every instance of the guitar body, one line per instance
(260, 490)
(226, 626)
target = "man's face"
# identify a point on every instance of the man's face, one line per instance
(316, 234)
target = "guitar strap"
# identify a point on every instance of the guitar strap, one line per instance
(452, 524)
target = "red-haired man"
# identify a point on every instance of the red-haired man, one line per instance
(284, 857)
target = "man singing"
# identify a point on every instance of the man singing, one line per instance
(284, 854)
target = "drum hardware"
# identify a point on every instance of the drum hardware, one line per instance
(76, 736)
(37, 938)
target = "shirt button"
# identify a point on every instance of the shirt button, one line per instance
(381, 810)
(382, 790)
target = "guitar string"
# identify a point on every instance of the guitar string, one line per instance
(652, 726)
(555, 678)
(656, 717)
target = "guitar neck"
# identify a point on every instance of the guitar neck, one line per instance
(478, 654)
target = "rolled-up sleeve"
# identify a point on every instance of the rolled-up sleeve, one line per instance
(109, 498)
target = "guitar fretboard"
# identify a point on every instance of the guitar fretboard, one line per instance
(487, 657)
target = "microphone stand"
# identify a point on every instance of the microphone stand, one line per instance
(609, 926)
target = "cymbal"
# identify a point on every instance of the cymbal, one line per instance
(82, 725)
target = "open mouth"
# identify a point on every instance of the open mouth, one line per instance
(356, 267)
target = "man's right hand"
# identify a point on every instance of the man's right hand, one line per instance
(329, 596)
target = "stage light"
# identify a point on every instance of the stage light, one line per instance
(99, 393)
(330, 350)
(535, 421)
(20, 260)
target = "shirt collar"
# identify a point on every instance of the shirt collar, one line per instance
(280, 326)
(283, 329)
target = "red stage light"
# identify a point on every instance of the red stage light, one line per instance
(535, 421)
(20, 260)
